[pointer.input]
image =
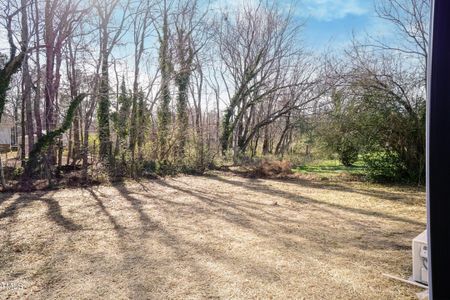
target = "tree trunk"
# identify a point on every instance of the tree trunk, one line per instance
(218, 123)
(76, 147)
(182, 81)
(85, 151)
(164, 116)
(37, 94)
(266, 141)
(2, 174)
(23, 133)
(49, 91)
(26, 80)
(60, 151)
(142, 117)
(103, 104)
(199, 124)
(70, 146)
(28, 106)
(279, 149)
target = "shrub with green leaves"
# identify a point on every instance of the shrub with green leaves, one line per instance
(385, 167)
(348, 154)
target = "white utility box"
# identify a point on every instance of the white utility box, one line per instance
(420, 258)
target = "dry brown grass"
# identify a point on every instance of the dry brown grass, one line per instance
(218, 236)
(270, 168)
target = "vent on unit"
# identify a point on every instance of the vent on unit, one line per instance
(420, 258)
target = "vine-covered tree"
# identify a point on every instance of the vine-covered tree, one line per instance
(166, 67)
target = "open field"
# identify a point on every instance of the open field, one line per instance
(217, 236)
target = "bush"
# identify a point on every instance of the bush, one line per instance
(385, 167)
(348, 155)
(153, 167)
(148, 168)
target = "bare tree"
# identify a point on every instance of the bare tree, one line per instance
(27, 113)
(141, 24)
(38, 85)
(60, 22)
(411, 20)
(15, 59)
(259, 48)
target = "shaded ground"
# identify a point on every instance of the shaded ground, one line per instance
(218, 236)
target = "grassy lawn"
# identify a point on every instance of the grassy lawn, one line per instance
(332, 168)
(218, 236)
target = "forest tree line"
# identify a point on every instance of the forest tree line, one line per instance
(137, 87)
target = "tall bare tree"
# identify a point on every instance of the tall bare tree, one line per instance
(61, 19)
(27, 111)
(14, 62)
(260, 49)
(141, 24)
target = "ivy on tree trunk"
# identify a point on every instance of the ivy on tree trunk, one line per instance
(48, 139)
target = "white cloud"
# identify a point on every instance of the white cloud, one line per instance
(328, 10)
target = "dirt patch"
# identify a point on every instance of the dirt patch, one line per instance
(216, 236)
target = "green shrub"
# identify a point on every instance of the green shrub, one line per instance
(385, 167)
(348, 155)
(149, 167)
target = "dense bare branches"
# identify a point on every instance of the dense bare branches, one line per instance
(193, 82)
(264, 66)
(14, 61)
(411, 19)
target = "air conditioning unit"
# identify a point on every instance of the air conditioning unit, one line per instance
(420, 258)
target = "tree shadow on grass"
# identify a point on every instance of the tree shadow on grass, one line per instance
(196, 261)
(146, 222)
(117, 227)
(327, 185)
(185, 249)
(5, 196)
(160, 233)
(236, 213)
(54, 212)
(285, 231)
(304, 199)
(383, 195)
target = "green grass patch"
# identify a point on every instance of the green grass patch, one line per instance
(330, 168)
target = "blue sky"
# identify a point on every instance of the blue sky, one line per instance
(335, 33)
(329, 23)
(332, 22)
